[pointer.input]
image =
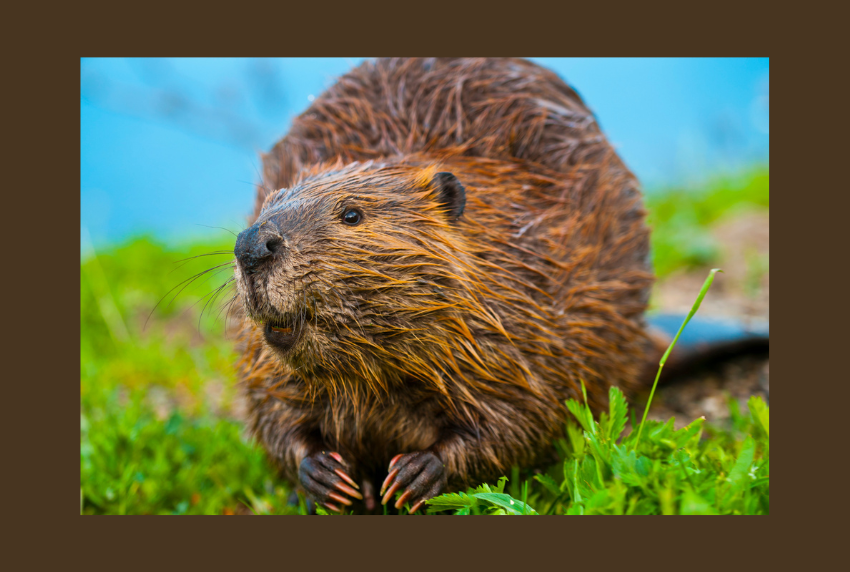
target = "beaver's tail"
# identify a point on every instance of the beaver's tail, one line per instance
(704, 342)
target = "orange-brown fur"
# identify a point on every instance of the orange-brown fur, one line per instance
(419, 331)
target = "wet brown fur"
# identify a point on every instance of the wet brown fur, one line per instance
(418, 331)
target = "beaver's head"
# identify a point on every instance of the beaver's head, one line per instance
(346, 268)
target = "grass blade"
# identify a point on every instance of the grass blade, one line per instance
(661, 363)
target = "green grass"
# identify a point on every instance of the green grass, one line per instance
(159, 429)
(158, 433)
(693, 470)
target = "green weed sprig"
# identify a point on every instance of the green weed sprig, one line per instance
(661, 363)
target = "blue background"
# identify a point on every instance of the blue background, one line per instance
(168, 145)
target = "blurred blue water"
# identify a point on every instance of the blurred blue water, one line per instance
(171, 144)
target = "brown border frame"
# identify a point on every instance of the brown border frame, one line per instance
(46, 211)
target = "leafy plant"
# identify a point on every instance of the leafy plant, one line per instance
(669, 471)
(482, 500)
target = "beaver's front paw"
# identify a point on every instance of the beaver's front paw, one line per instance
(421, 476)
(323, 475)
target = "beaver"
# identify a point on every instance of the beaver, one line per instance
(443, 250)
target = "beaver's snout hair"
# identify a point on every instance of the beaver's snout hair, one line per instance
(264, 268)
(265, 265)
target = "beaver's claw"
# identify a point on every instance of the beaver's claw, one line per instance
(324, 477)
(420, 476)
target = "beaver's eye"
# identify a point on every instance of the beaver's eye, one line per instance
(352, 217)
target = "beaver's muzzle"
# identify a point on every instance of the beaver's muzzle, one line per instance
(256, 245)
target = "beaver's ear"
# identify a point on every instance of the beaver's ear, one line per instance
(450, 193)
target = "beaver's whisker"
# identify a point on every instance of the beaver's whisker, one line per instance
(214, 291)
(185, 283)
(215, 294)
(266, 192)
(228, 306)
(219, 228)
(185, 261)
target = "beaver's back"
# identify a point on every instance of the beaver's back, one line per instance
(501, 108)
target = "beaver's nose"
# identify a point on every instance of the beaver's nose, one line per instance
(256, 244)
